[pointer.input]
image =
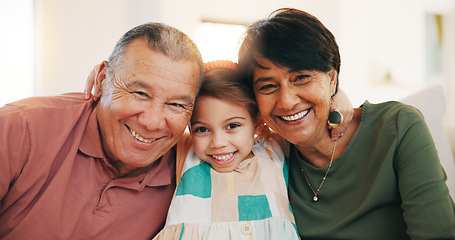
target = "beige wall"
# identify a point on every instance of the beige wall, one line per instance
(375, 38)
(73, 36)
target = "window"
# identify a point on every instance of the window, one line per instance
(218, 41)
(16, 47)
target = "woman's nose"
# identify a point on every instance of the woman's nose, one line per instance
(287, 98)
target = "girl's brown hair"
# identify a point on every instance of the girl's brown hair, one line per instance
(227, 84)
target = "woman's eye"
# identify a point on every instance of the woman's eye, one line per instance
(301, 78)
(233, 125)
(267, 89)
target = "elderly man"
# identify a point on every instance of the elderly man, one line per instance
(76, 169)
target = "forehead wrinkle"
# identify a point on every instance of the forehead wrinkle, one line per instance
(158, 70)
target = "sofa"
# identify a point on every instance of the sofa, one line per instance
(432, 103)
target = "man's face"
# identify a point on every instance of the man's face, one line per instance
(145, 106)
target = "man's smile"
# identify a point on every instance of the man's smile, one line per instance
(139, 137)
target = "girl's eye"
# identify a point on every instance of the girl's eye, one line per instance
(201, 130)
(233, 125)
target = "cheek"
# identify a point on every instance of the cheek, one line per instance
(265, 104)
(199, 145)
(244, 139)
(178, 123)
(119, 105)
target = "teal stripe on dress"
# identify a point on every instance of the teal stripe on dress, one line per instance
(196, 181)
(253, 208)
(286, 169)
(286, 176)
(181, 232)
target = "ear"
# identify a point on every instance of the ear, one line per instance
(259, 125)
(100, 76)
(333, 81)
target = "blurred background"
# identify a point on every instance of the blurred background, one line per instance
(389, 48)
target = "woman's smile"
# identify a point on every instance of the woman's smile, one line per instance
(296, 116)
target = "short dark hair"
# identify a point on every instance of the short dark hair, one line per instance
(290, 38)
(228, 85)
(160, 37)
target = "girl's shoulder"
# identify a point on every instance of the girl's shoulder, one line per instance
(272, 149)
(275, 141)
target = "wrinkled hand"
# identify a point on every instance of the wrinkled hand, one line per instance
(89, 85)
(343, 105)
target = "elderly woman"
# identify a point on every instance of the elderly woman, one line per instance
(381, 180)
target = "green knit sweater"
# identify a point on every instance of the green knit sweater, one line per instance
(388, 183)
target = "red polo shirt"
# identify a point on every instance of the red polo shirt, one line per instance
(56, 183)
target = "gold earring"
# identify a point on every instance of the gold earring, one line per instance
(335, 119)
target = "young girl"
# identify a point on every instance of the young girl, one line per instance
(233, 185)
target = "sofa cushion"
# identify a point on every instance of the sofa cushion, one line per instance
(431, 102)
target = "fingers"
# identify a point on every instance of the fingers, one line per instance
(343, 105)
(89, 84)
(337, 133)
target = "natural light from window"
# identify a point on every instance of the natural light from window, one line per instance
(16, 48)
(218, 41)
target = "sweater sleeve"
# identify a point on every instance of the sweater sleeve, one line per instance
(428, 209)
(14, 146)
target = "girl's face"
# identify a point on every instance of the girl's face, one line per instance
(295, 104)
(223, 132)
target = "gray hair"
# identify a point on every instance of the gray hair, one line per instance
(162, 38)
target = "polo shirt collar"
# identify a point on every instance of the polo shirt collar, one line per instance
(91, 140)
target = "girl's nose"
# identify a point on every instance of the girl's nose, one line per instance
(218, 140)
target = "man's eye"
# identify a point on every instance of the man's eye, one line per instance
(233, 125)
(140, 94)
(177, 105)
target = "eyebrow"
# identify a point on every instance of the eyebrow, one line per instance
(234, 118)
(263, 79)
(227, 120)
(148, 86)
(196, 122)
(138, 84)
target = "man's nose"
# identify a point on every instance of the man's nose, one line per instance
(153, 116)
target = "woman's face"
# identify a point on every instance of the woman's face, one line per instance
(295, 104)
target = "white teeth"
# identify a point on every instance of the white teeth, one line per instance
(223, 157)
(139, 137)
(295, 116)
